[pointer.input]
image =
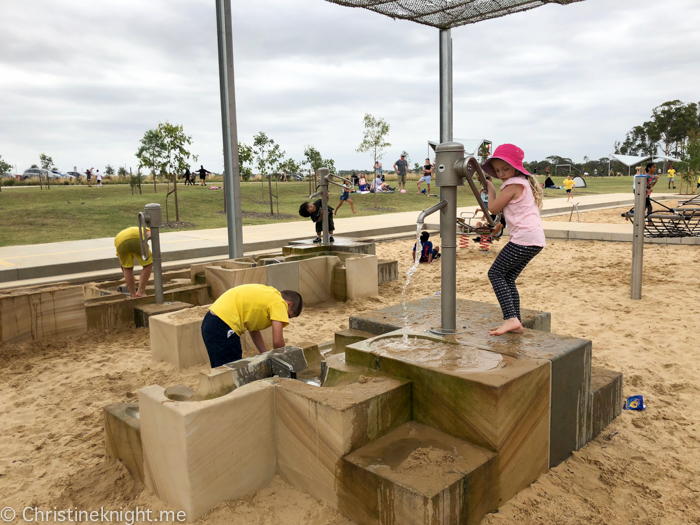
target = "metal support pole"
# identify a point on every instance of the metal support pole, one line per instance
(446, 128)
(153, 219)
(323, 183)
(640, 193)
(232, 178)
(448, 238)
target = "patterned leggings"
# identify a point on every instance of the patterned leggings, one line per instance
(503, 273)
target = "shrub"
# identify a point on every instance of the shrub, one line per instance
(9, 182)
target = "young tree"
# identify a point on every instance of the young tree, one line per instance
(47, 164)
(4, 168)
(374, 140)
(245, 157)
(151, 153)
(175, 157)
(690, 166)
(269, 156)
(671, 123)
(109, 170)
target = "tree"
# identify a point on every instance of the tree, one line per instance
(33, 166)
(406, 157)
(269, 156)
(122, 171)
(46, 162)
(4, 166)
(109, 170)
(691, 161)
(151, 153)
(670, 124)
(290, 166)
(374, 140)
(175, 157)
(245, 156)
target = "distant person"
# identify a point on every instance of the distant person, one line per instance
(202, 174)
(88, 175)
(401, 167)
(612, 173)
(314, 211)
(549, 184)
(345, 196)
(98, 177)
(569, 186)
(379, 186)
(378, 171)
(355, 179)
(427, 253)
(595, 172)
(283, 177)
(546, 171)
(252, 308)
(427, 177)
(698, 186)
(128, 247)
(671, 177)
(362, 183)
(188, 177)
(652, 179)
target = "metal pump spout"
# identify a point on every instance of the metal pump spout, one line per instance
(429, 211)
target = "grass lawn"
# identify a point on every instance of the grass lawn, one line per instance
(64, 213)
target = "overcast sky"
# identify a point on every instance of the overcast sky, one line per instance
(82, 80)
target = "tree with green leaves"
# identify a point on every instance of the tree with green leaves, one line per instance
(374, 140)
(109, 170)
(670, 124)
(47, 164)
(245, 157)
(151, 153)
(4, 166)
(175, 157)
(269, 156)
(290, 166)
(689, 168)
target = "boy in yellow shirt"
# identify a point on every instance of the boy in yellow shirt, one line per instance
(671, 177)
(128, 248)
(569, 184)
(252, 307)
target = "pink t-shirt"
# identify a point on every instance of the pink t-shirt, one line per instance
(523, 216)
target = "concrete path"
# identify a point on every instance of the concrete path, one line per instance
(42, 261)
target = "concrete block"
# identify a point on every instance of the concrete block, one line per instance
(423, 314)
(360, 272)
(201, 453)
(348, 337)
(123, 436)
(339, 290)
(494, 401)
(198, 268)
(315, 279)
(418, 475)
(606, 399)
(143, 313)
(316, 427)
(303, 249)
(312, 354)
(215, 383)
(223, 279)
(387, 271)
(177, 337)
(571, 380)
(283, 276)
(42, 312)
(353, 246)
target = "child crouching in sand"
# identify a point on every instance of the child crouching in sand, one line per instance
(520, 199)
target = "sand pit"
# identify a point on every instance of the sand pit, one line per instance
(609, 216)
(644, 468)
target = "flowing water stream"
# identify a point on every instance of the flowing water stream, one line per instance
(409, 274)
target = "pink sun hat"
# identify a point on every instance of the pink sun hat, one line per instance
(509, 153)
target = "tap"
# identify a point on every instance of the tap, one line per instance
(422, 215)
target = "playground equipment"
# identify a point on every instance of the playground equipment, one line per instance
(325, 177)
(681, 221)
(152, 218)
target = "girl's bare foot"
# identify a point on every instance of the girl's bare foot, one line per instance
(140, 294)
(512, 325)
(354, 212)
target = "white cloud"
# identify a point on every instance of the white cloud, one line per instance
(83, 80)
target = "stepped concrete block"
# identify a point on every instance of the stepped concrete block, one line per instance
(606, 399)
(357, 277)
(144, 312)
(123, 436)
(223, 279)
(339, 290)
(42, 312)
(348, 337)
(315, 276)
(423, 314)
(302, 249)
(387, 271)
(283, 276)
(312, 354)
(418, 475)
(341, 373)
(494, 401)
(316, 427)
(198, 454)
(571, 380)
(176, 337)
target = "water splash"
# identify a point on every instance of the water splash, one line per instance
(409, 274)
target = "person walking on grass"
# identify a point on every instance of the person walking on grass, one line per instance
(128, 247)
(88, 175)
(98, 177)
(427, 177)
(520, 200)
(401, 166)
(188, 177)
(671, 177)
(569, 186)
(345, 196)
(202, 174)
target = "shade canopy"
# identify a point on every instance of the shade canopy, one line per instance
(446, 14)
(629, 160)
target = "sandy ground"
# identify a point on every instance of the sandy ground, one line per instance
(644, 468)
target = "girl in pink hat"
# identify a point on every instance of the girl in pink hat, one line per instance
(520, 200)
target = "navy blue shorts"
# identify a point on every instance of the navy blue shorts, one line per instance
(344, 196)
(221, 348)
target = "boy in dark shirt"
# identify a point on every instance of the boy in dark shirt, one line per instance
(308, 209)
(427, 252)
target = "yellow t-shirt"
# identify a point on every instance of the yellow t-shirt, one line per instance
(251, 307)
(126, 235)
(568, 184)
(671, 174)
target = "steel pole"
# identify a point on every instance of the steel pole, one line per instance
(448, 280)
(323, 183)
(445, 86)
(232, 178)
(640, 193)
(154, 220)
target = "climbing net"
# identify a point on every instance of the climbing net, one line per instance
(682, 221)
(446, 14)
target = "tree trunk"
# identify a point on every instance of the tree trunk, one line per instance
(269, 186)
(154, 183)
(177, 209)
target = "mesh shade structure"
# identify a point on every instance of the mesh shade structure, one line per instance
(446, 14)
